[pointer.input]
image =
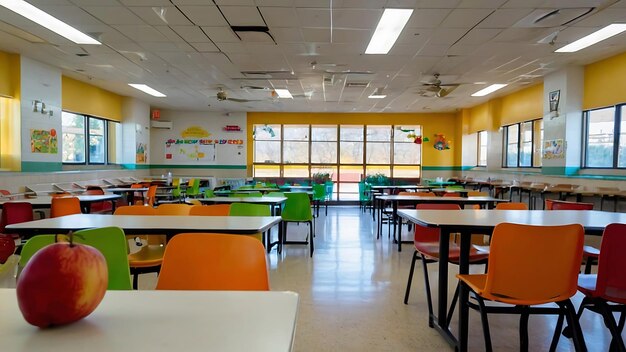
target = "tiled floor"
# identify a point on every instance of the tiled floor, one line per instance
(351, 295)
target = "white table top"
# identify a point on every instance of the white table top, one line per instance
(591, 220)
(258, 200)
(162, 321)
(436, 199)
(45, 201)
(149, 224)
(125, 189)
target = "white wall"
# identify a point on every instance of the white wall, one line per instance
(135, 128)
(230, 159)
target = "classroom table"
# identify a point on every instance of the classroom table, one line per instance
(43, 202)
(295, 188)
(128, 192)
(147, 224)
(414, 200)
(380, 190)
(163, 321)
(466, 222)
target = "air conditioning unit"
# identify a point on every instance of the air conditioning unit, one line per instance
(164, 125)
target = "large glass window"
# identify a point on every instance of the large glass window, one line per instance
(482, 148)
(522, 144)
(85, 139)
(347, 152)
(605, 138)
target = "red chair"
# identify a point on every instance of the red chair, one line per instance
(15, 213)
(590, 253)
(426, 241)
(608, 285)
(99, 207)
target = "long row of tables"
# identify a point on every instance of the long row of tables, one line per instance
(467, 222)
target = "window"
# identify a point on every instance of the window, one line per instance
(605, 138)
(347, 152)
(522, 144)
(85, 139)
(482, 148)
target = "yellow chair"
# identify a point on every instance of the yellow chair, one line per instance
(515, 277)
(150, 256)
(173, 209)
(209, 261)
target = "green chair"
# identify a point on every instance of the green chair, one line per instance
(194, 188)
(246, 194)
(110, 241)
(329, 190)
(365, 190)
(208, 193)
(297, 209)
(250, 209)
(274, 194)
(176, 191)
(319, 195)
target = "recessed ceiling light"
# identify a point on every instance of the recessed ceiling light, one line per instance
(492, 88)
(44, 19)
(148, 90)
(387, 31)
(283, 93)
(593, 38)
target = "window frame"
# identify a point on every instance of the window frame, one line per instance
(617, 123)
(520, 142)
(479, 149)
(87, 134)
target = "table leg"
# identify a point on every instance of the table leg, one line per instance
(464, 293)
(442, 294)
(394, 217)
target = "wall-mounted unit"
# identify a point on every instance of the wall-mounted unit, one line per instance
(163, 125)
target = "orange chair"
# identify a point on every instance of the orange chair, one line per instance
(426, 241)
(450, 194)
(512, 206)
(208, 261)
(590, 253)
(173, 209)
(517, 279)
(150, 196)
(210, 210)
(477, 194)
(62, 206)
(609, 285)
(150, 256)
(137, 196)
(424, 194)
(99, 207)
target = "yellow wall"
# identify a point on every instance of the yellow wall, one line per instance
(446, 123)
(10, 117)
(523, 105)
(83, 98)
(605, 82)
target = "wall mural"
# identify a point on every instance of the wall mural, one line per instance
(44, 141)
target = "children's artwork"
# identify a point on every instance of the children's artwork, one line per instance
(440, 142)
(141, 153)
(554, 149)
(186, 150)
(44, 141)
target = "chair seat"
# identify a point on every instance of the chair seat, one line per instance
(476, 282)
(147, 256)
(589, 251)
(431, 250)
(587, 284)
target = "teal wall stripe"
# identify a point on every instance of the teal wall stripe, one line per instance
(35, 166)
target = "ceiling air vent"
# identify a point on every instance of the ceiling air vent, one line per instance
(545, 18)
(357, 84)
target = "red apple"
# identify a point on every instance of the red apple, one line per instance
(62, 283)
(7, 247)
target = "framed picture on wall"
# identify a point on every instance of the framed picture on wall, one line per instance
(554, 100)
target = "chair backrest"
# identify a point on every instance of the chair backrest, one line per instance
(319, 191)
(611, 280)
(424, 194)
(208, 193)
(210, 210)
(193, 187)
(151, 195)
(173, 209)
(512, 206)
(274, 194)
(477, 194)
(563, 205)
(405, 193)
(208, 261)
(110, 241)
(297, 207)
(15, 213)
(329, 189)
(135, 210)
(62, 206)
(451, 194)
(431, 234)
(514, 276)
(249, 209)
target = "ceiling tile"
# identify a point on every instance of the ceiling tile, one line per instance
(205, 47)
(204, 15)
(427, 18)
(221, 34)
(114, 15)
(465, 18)
(280, 16)
(191, 34)
(141, 33)
(504, 18)
(242, 15)
(171, 14)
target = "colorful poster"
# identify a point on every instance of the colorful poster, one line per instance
(44, 141)
(141, 153)
(554, 149)
(190, 152)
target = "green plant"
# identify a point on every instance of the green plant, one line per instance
(377, 179)
(320, 177)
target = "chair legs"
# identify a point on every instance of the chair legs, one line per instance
(283, 235)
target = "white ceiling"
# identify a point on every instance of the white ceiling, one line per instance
(196, 51)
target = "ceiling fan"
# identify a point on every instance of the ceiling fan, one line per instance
(222, 96)
(437, 87)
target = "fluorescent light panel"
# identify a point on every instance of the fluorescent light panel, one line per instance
(283, 93)
(44, 19)
(377, 96)
(593, 38)
(148, 90)
(492, 88)
(389, 28)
